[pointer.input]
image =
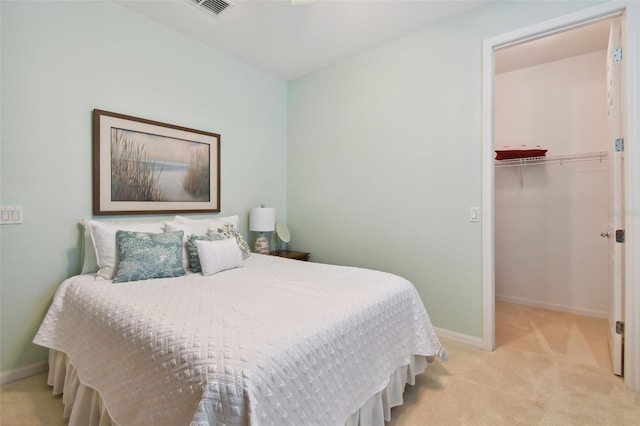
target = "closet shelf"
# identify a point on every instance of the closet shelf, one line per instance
(601, 155)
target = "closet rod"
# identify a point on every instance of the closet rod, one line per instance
(601, 155)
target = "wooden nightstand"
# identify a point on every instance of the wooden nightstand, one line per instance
(290, 254)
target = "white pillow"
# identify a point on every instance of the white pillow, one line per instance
(103, 235)
(216, 221)
(89, 260)
(196, 227)
(216, 256)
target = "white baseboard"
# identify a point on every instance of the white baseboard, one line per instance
(23, 372)
(475, 342)
(552, 306)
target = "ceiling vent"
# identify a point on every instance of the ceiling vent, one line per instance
(214, 7)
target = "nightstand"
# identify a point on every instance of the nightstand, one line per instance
(290, 254)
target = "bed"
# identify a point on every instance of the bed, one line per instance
(273, 341)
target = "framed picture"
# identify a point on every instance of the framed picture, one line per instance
(142, 167)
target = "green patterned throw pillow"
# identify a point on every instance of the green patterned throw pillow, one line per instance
(229, 231)
(146, 255)
(192, 249)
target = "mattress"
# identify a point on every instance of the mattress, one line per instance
(277, 342)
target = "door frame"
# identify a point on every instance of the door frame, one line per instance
(630, 11)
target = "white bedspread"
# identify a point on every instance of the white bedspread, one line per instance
(276, 342)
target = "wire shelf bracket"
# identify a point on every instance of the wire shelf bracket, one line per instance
(522, 163)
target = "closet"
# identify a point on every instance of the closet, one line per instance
(551, 210)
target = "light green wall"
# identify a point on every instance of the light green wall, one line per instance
(60, 60)
(384, 158)
(383, 149)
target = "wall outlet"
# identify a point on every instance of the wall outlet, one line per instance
(11, 215)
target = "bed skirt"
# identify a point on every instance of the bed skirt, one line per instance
(83, 406)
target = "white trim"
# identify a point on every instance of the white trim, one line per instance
(488, 200)
(473, 341)
(631, 33)
(552, 306)
(23, 372)
(631, 61)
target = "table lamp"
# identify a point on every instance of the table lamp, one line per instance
(262, 219)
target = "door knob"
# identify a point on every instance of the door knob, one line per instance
(605, 234)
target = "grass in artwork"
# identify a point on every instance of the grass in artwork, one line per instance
(132, 173)
(196, 181)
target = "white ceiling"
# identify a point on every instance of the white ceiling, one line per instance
(291, 38)
(579, 41)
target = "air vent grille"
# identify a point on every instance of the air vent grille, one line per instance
(216, 7)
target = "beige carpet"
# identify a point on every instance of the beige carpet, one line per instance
(549, 368)
(29, 402)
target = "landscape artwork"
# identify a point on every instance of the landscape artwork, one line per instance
(144, 166)
(147, 167)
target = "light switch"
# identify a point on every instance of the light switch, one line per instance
(11, 215)
(474, 214)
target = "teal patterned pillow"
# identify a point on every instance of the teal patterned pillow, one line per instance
(192, 249)
(146, 255)
(229, 231)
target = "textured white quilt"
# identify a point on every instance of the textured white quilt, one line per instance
(275, 342)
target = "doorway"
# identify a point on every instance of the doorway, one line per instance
(631, 14)
(550, 109)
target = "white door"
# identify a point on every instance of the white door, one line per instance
(616, 213)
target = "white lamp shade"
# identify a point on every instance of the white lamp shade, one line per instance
(262, 219)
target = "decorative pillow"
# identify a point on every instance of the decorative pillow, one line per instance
(228, 231)
(197, 227)
(192, 249)
(216, 256)
(103, 235)
(146, 255)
